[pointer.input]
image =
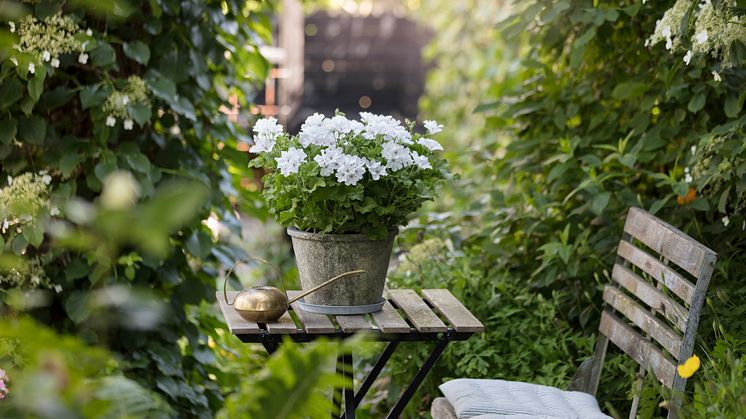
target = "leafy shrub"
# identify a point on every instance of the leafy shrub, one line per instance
(345, 176)
(111, 128)
(50, 376)
(578, 119)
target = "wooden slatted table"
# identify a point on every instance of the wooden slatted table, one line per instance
(434, 315)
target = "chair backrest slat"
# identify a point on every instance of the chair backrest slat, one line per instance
(658, 330)
(651, 296)
(666, 240)
(635, 345)
(659, 285)
(657, 269)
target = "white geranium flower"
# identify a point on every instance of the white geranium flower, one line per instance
(316, 130)
(46, 56)
(669, 43)
(351, 170)
(329, 160)
(128, 124)
(12, 27)
(267, 130)
(46, 179)
(376, 169)
(110, 121)
(430, 144)
(10, 180)
(688, 178)
(716, 76)
(421, 161)
(688, 57)
(339, 124)
(693, 149)
(386, 126)
(396, 155)
(83, 58)
(57, 288)
(268, 126)
(6, 224)
(289, 161)
(31, 68)
(701, 37)
(725, 221)
(54, 211)
(55, 62)
(433, 127)
(125, 100)
(89, 32)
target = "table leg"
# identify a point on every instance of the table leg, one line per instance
(349, 390)
(270, 345)
(337, 395)
(374, 372)
(421, 374)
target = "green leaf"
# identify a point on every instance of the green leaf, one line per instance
(629, 90)
(10, 91)
(36, 85)
(103, 55)
(163, 87)
(8, 129)
(93, 95)
(77, 307)
(138, 162)
(33, 130)
(34, 233)
(600, 201)
(138, 51)
(184, 107)
(734, 104)
(697, 102)
(141, 113)
(68, 162)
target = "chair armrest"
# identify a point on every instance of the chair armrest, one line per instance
(442, 409)
(581, 378)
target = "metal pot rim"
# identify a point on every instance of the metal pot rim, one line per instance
(307, 235)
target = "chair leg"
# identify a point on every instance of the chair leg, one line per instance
(442, 409)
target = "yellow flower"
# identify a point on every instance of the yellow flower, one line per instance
(688, 368)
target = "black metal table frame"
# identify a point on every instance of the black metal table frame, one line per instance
(344, 362)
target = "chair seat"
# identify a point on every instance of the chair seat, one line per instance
(500, 399)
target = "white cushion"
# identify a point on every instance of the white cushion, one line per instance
(499, 399)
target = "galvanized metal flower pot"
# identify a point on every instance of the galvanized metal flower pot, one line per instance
(323, 256)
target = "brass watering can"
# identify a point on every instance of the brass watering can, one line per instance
(265, 304)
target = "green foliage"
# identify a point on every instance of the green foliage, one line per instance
(293, 384)
(572, 119)
(380, 176)
(719, 386)
(112, 110)
(52, 376)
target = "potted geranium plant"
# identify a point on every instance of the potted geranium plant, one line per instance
(343, 187)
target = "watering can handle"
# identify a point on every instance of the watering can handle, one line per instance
(325, 283)
(230, 271)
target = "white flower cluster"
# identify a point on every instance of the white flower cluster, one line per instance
(267, 130)
(714, 31)
(118, 102)
(335, 146)
(48, 39)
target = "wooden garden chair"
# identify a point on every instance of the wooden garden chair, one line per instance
(652, 312)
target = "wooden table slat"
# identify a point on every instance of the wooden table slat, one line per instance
(312, 322)
(417, 311)
(283, 326)
(452, 309)
(353, 324)
(236, 324)
(389, 321)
